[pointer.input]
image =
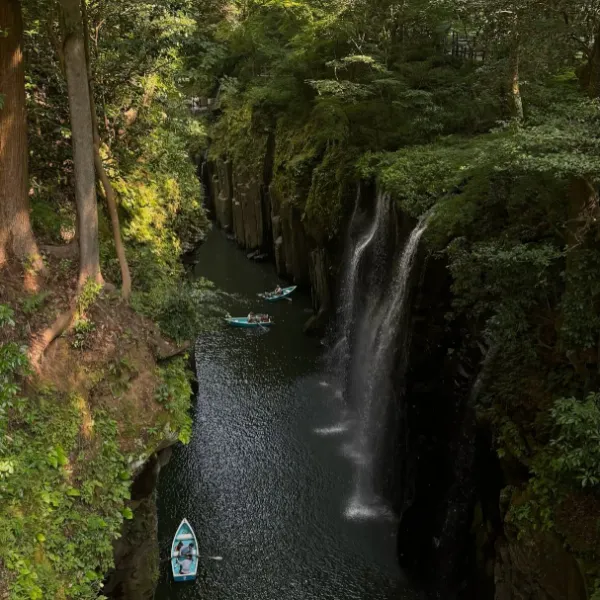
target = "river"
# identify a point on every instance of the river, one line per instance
(260, 482)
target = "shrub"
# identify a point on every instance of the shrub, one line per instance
(174, 393)
(576, 448)
(181, 310)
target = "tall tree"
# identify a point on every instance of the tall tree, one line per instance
(83, 141)
(16, 236)
(101, 172)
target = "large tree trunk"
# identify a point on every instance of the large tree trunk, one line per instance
(102, 176)
(83, 142)
(16, 236)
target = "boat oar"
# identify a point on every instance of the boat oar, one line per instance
(217, 558)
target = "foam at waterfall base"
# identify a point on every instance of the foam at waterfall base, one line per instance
(359, 509)
(332, 429)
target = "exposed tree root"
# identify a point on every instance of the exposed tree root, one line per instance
(160, 358)
(43, 340)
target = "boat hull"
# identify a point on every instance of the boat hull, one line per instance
(180, 578)
(243, 322)
(184, 568)
(285, 292)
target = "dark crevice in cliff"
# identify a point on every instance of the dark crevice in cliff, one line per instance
(265, 191)
(136, 552)
(451, 479)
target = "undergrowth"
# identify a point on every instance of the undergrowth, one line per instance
(174, 394)
(64, 480)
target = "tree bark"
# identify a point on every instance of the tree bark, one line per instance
(16, 235)
(593, 70)
(83, 142)
(515, 86)
(101, 173)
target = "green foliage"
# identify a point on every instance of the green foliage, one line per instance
(51, 221)
(182, 311)
(442, 168)
(146, 129)
(577, 446)
(88, 295)
(502, 282)
(568, 463)
(13, 364)
(6, 316)
(595, 595)
(62, 489)
(324, 205)
(345, 90)
(334, 82)
(174, 393)
(581, 320)
(32, 303)
(82, 328)
(161, 201)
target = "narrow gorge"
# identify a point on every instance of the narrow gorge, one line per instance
(409, 379)
(406, 424)
(418, 418)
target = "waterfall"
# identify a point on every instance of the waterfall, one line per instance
(350, 288)
(341, 355)
(376, 345)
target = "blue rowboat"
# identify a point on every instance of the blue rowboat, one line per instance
(184, 553)
(243, 322)
(273, 297)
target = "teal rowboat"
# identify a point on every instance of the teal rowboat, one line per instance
(243, 322)
(184, 553)
(273, 297)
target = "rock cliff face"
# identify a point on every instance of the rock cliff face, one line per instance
(538, 569)
(136, 552)
(247, 206)
(452, 491)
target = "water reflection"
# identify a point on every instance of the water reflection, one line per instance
(263, 481)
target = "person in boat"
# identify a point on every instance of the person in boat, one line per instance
(265, 318)
(178, 548)
(189, 551)
(278, 291)
(251, 317)
(185, 565)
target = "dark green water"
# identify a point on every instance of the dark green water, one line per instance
(260, 484)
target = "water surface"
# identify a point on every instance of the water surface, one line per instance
(263, 481)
